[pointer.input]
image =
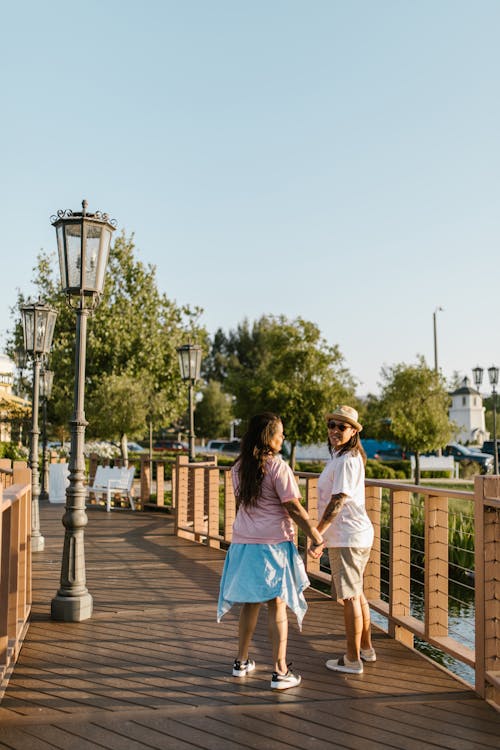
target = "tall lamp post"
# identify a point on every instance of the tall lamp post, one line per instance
(434, 320)
(83, 242)
(493, 378)
(45, 392)
(38, 328)
(190, 366)
(21, 360)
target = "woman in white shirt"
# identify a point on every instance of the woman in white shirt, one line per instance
(348, 533)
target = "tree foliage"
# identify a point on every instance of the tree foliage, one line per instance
(415, 399)
(284, 366)
(213, 412)
(132, 337)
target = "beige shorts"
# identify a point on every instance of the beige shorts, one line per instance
(347, 565)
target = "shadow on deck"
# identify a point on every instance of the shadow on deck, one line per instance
(152, 668)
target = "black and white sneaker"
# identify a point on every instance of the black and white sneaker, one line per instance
(284, 681)
(242, 668)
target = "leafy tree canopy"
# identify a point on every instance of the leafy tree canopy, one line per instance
(284, 366)
(416, 400)
(132, 335)
(213, 413)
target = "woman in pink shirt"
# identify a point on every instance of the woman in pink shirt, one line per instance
(262, 563)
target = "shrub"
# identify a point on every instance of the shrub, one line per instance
(13, 451)
(377, 470)
(315, 467)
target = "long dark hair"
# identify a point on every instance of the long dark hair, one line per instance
(255, 450)
(352, 446)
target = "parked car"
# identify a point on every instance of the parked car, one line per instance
(488, 447)
(391, 454)
(214, 446)
(232, 447)
(135, 448)
(170, 445)
(463, 454)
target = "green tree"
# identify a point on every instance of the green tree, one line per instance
(134, 332)
(415, 399)
(119, 408)
(213, 412)
(284, 366)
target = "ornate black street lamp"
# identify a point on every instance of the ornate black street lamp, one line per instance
(38, 328)
(83, 242)
(493, 378)
(190, 366)
(45, 392)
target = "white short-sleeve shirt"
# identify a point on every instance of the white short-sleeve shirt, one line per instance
(352, 527)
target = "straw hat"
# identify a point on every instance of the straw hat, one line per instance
(345, 414)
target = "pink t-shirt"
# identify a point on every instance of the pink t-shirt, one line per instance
(268, 521)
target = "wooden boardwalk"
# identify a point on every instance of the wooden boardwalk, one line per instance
(152, 668)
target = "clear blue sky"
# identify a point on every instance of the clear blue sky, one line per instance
(335, 160)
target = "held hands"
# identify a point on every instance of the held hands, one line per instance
(315, 550)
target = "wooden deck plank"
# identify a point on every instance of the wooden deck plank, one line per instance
(152, 668)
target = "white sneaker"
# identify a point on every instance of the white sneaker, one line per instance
(344, 665)
(242, 668)
(284, 681)
(368, 654)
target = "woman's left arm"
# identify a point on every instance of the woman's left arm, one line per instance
(299, 514)
(332, 510)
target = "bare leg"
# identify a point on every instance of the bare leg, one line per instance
(366, 633)
(248, 620)
(353, 620)
(278, 633)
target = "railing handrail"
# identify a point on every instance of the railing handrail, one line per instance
(196, 489)
(15, 566)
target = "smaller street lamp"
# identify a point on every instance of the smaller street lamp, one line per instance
(38, 328)
(45, 392)
(493, 372)
(190, 367)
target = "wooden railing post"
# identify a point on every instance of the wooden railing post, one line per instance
(487, 585)
(436, 567)
(5, 563)
(160, 483)
(145, 480)
(212, 504)
(197, 500)
(312, 565)
(399, 575)
(371, 584)
(181, 496)
(229, 506)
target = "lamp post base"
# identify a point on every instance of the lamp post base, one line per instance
(71, 608)
(37, 543)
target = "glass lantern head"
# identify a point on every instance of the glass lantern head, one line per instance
(493, 376)
(38, 327)
(83, 243)
(46, 384)
(190, 361)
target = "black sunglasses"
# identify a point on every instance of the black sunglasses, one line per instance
(331, 424)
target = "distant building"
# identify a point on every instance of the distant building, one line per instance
(11, 407)
(467, 411)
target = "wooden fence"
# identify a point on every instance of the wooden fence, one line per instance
(15, 561)
(205, 509)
